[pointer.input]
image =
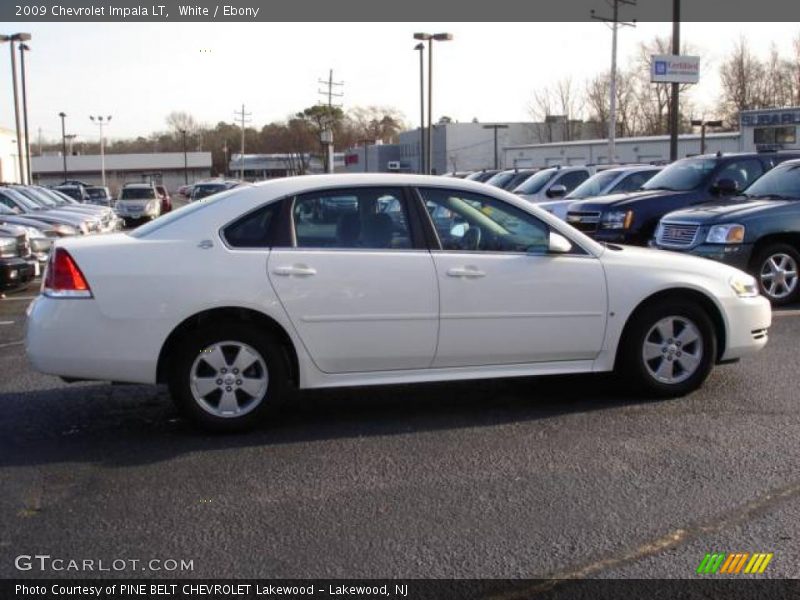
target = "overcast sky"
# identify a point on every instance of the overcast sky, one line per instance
(140, 72)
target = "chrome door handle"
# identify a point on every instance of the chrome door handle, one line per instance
(470, 272)
(297, 270)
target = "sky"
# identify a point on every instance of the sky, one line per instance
(138, 73)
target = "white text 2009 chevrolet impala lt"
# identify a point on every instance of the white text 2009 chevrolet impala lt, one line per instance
(350, 280)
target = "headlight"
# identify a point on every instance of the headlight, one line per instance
(726, 234)
(744, 285)
(8, 248)
(62, 229)
(617, 219)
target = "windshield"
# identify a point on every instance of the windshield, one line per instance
(27, 202)
(780, 183)
(39, 197)
(517, 179)
(97, 193)
(683, 175)
(137, 194)
(534, 184)
(72, 192)
(500, 179)
(594, 186)
(201, 191)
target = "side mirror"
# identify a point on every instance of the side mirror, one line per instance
(558, 244)
(458, 230)
(725, 187)
(556, 191)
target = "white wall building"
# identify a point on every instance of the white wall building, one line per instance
(9, 163)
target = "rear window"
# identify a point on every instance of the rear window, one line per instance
(137, 194)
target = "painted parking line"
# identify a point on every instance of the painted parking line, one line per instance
(6, 322)
(9, 298)
(786, 313)
(10, 344)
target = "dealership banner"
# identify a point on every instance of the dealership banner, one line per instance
(369, 10)
(669, 68)
(705, 587)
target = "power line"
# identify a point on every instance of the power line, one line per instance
(331, 84)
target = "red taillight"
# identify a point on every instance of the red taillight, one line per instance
(64, 278)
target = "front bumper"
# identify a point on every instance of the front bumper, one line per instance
(15, 273)
(735, 255)
(747, 323)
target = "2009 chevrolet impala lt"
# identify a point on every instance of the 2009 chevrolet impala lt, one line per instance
(350, 280)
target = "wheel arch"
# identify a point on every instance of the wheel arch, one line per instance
(791, 238)
(706, 302)
(228, 313)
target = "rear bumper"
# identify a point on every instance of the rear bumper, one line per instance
(15, 273)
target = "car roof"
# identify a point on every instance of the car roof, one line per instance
(138, 185)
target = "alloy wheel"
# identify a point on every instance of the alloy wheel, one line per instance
(673, 350)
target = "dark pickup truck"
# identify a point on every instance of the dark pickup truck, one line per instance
(15, 271)
(757, 231)
(632, 218)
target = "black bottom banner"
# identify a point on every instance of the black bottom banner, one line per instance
(412, 589)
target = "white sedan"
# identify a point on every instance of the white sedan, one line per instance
(234, 299)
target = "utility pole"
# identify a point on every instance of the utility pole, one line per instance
(422, 155)
(244, 118)
(23, 47)
(185, 160)
(326, 135)
(495, 127)
(70, 137)
(674, 120)
(612, 113)
(100, 122)
(20, 154)
(64, 142)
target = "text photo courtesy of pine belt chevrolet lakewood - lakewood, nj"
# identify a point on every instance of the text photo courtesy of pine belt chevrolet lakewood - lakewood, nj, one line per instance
(421, 301)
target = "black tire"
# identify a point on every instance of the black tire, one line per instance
(634, 370)
(198, 341)
(761, 267)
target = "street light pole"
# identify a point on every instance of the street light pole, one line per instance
(421, 48)
(495, 127)
(20, 155)
(430, 38)
(22, 49)
(702, 124)
(185, 160)
(64, 143)
(99, 121)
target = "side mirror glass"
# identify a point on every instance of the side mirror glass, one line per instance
(558, 244)
(458, 230)
(557, 191)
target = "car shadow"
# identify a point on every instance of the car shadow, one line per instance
(127, 425)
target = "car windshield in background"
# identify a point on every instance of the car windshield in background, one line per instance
(71, 192)
(593, 186)
(96, 194)
(172, 216)
(517, 179)
(535, 183)
(201, 191)
(138, 194)
(682, 176)
(26, 201)
(782, 183)
(500, 179)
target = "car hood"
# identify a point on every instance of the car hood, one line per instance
(734, 209)
(622, 200)
(665, 260)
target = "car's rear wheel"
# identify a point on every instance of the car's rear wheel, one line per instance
(227, 377)
(776, 268)
(668, 349)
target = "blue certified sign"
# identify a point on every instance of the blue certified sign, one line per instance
(661, 67)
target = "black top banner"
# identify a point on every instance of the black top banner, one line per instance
(405, 10)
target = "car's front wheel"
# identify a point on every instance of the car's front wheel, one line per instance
(776, 268)
(226, 377)
(668, 349)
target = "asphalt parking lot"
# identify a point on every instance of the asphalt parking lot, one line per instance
(513, 478)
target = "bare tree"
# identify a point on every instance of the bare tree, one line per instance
(559, 108)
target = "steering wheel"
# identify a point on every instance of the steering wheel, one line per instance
(472, 238)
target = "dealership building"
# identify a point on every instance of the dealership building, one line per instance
(170, 169)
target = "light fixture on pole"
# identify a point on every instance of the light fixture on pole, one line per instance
(702, 124)
(612, 113)
(64, 143)
(495, 127)
(430, 38)
(421, 48)
(99, 121)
